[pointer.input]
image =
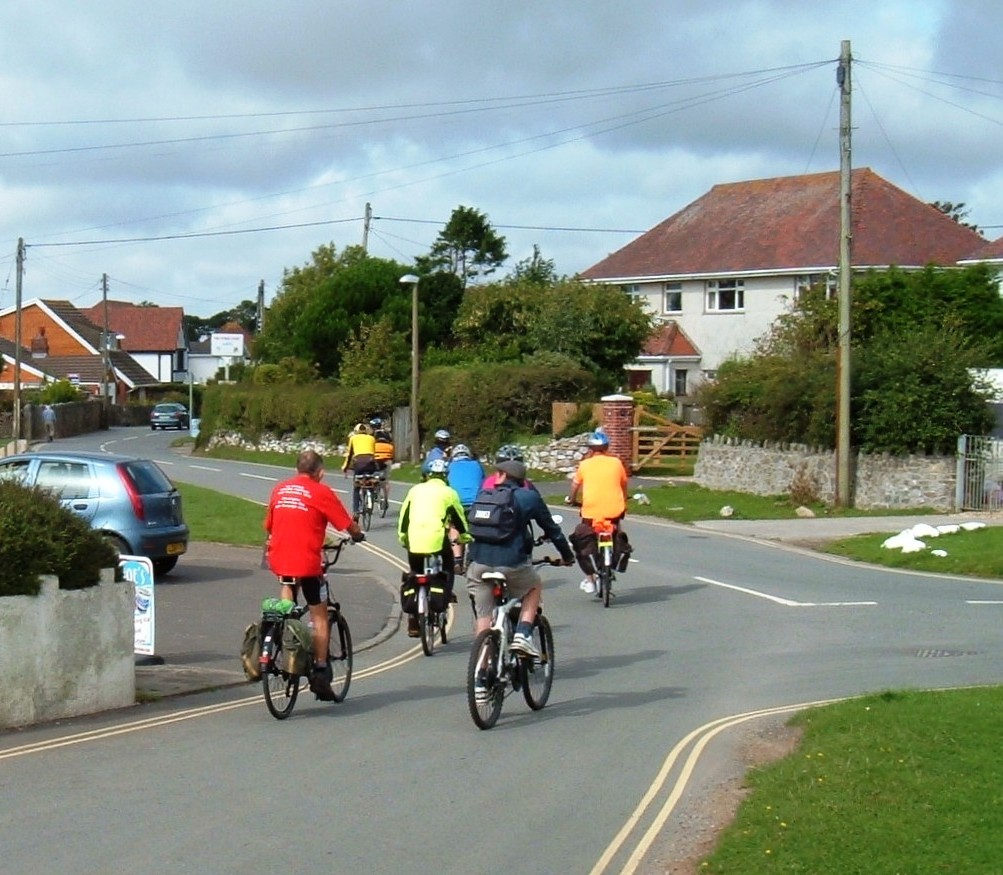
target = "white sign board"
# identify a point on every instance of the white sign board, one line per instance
(139, 571)
(227, 345)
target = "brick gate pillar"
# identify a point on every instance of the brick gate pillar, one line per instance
(617, 421)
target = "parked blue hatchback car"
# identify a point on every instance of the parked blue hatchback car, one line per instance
(129, 500)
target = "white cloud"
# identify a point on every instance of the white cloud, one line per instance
(418, 107)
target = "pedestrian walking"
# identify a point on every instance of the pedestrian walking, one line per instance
(49, 419)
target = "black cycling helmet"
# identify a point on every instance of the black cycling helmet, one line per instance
(509, 453)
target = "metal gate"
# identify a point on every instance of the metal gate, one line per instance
(979, 483)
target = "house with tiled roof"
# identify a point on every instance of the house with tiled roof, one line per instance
(58, 342)
(206, 365)
(154, 336)
(726, 266)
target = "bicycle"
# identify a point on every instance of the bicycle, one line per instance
(368, 485)
(281, 680)
(433, 604)
(494, 670)
(605, 575)
(384, 488)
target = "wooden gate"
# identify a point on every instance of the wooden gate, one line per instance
(660, 442)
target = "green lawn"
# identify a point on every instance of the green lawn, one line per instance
(223, 519)
(898, 782)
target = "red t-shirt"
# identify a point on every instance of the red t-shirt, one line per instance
(298, 513)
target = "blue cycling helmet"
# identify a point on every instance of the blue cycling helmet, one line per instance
(598, 439)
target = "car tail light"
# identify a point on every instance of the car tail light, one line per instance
(133, 493)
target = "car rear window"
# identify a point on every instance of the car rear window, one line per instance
(149, 479)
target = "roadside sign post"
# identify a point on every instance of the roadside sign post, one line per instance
(139, 571)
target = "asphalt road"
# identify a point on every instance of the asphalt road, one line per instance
(710, 634)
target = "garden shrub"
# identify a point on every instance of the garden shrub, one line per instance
(39, 536)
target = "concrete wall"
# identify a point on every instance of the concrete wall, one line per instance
(67, 652)
(878, 481)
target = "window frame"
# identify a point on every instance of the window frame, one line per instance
(713, 290)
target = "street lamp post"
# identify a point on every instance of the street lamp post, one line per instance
(411, 280)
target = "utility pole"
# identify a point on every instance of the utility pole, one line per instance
(261, 306)
(106, 356)
(365, 227)
(17, 341)
(843, 496)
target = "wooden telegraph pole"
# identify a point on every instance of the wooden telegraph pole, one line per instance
(843, 496)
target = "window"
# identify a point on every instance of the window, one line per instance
(724, 295)
(805, 281)
(673, 297)
(679, 382)
(633, 291)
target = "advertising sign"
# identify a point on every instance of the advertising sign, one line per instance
(139, 571)
(231, 345)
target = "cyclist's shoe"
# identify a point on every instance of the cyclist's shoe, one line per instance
(587, 586)
(482, 695)
(413, 630)
(452, 598)
(320, 682)
(523, 644)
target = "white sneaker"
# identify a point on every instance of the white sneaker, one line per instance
(587, 586)
(523, 644)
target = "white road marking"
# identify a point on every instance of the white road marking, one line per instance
(787, 603)
(205, 468)
(983, 602)
(259, 477)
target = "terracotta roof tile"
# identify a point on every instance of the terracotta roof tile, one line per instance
(146, 329)
(668, 339)
(991, 251)
(791, 223)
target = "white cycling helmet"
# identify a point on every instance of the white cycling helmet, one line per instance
(437, 468)
(462, 451)
(442, 436)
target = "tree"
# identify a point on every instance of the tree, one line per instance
(467, 247)
(958, 212)
(536, 270)
(244, 314)
(376, 353)
(598, 327)
(321, 305)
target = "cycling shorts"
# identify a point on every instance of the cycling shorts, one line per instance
(314, 588)
(519, 580)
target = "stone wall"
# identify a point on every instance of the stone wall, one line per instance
(67, 652)
(878, 481)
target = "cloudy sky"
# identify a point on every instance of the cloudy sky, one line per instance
(194, 148)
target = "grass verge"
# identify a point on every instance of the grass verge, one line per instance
(978, 553)
(222, 519)
(897, 782)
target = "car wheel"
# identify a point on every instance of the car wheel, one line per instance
(120, 546)
(153, 428)
(164, 566)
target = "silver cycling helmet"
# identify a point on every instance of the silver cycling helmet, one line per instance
(442, 436)
(509, 453)
(462, 451)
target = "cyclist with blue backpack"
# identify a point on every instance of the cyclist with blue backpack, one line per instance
(500, 525)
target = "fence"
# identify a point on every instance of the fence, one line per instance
(659, 441)
(979, 483)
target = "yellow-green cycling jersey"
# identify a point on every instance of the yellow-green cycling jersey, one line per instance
(429, 510)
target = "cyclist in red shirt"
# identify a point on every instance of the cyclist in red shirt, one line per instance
(299, 512)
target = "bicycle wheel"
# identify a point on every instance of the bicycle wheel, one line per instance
(339, 653)
(367, 509)
(426, 623)
(384, 504)
(280, 688)
(482, 671)
(442, 620)
(538, 674)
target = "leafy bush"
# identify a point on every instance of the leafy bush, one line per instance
(485, 404)
(39, 536)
